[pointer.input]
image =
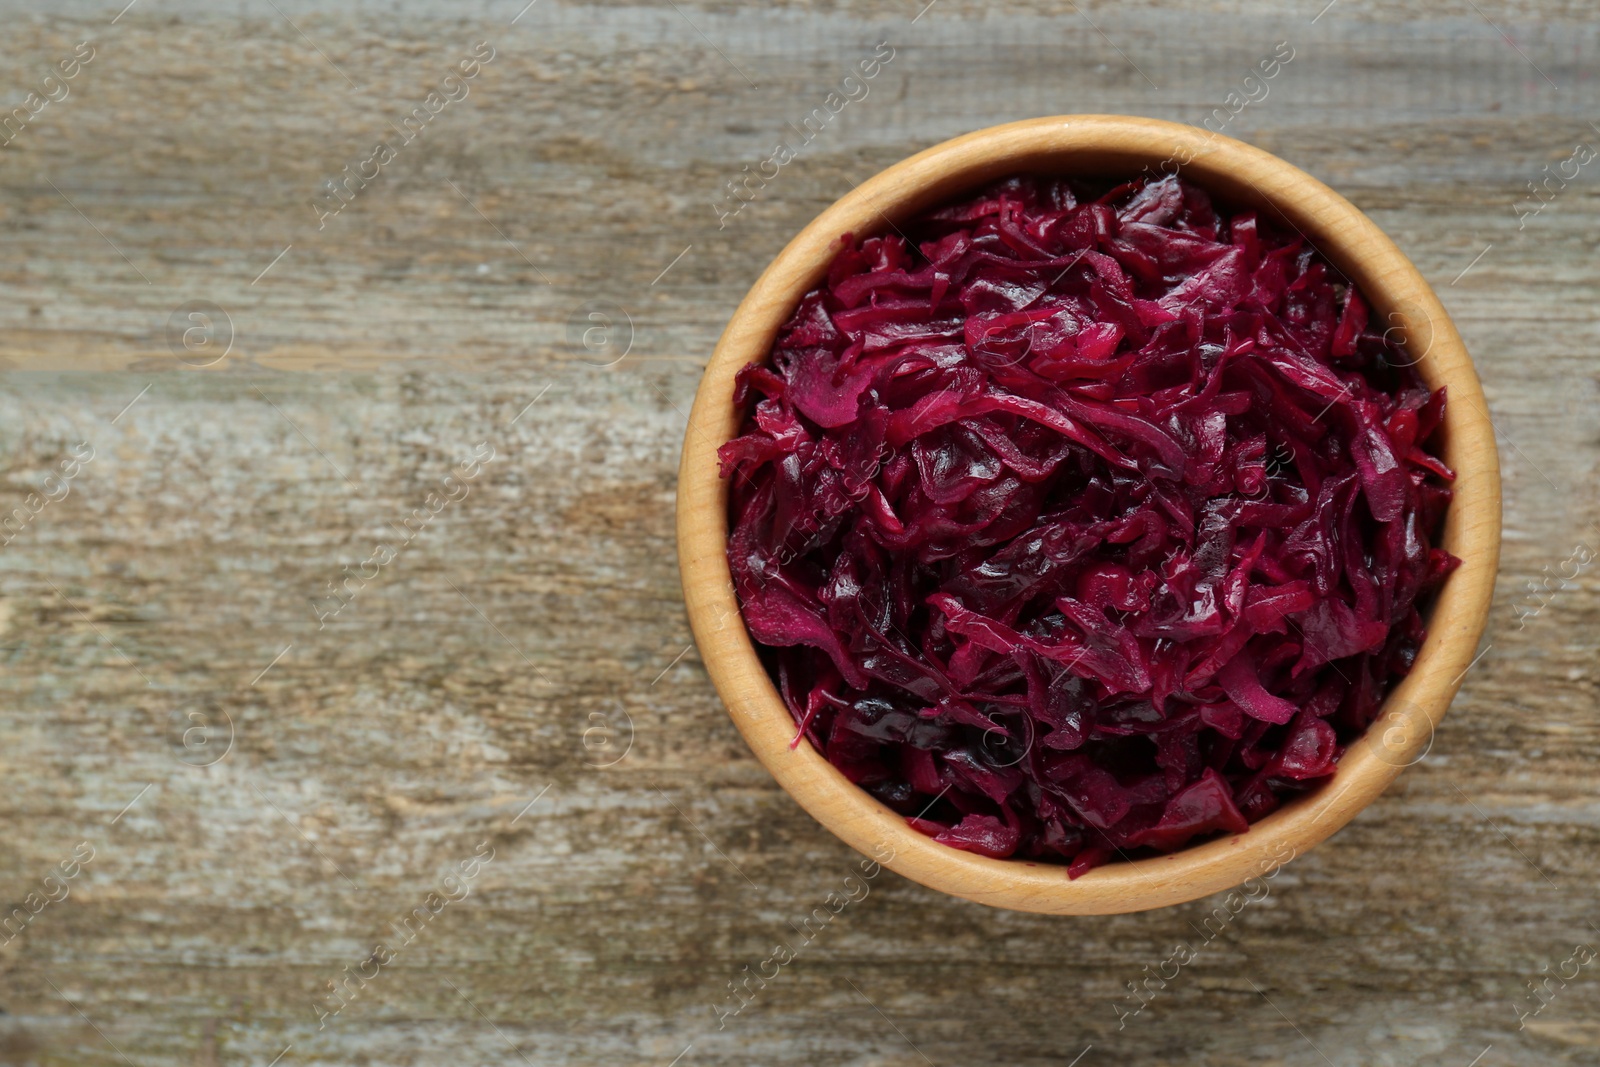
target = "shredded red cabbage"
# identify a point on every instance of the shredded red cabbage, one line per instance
(1074, 523)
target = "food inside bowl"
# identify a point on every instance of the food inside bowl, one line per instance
(1075, 521)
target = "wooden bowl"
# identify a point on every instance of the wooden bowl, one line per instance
(1238, 175)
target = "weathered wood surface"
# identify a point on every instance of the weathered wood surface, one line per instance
(500, 654)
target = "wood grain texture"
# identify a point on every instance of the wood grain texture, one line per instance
(367, 362)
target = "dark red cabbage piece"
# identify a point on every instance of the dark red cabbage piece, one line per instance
(1074, 523)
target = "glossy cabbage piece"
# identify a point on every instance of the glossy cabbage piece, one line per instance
(1075, 523)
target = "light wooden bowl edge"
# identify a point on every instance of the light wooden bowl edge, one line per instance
(1367, 768)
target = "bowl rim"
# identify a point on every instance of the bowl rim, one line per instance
(1097, 144)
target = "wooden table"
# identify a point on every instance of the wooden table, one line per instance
(503, 723)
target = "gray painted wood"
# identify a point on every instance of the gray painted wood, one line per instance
(502, 652)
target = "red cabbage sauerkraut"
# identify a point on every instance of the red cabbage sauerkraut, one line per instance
(1074, 523)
